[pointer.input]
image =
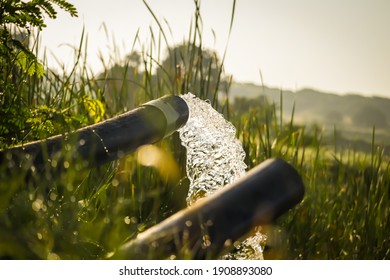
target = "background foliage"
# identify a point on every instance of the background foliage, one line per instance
(71, 212)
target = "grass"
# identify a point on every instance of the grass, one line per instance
(79, 213)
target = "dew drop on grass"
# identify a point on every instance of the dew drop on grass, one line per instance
(188, 223)
(39, 236)
(215, 158)
(37, 204)
(66, 164)
(127, 220)
(82, 142)
(53, 196)
(115, 182)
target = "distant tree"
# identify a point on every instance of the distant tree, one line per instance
(242, 105)
(334, 117)
(193, 68)
(369, 116)
(121, 83)
(185, 68)
(259, 106)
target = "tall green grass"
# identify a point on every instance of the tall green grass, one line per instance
(80, 213)
(345, 212)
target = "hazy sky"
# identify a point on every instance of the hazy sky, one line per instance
(338, 46)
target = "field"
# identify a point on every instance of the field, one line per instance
(69, 211)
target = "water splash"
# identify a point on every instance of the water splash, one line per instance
(215, 158)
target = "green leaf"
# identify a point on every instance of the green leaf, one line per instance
(29, 65)
(70, 8)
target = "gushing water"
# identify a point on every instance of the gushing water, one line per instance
(215, 158)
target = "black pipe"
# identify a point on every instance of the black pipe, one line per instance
(107, 140)
(210, 227)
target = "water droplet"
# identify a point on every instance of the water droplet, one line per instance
(115, 182)
(127, 220)
(37, 205)
(82, 203)
(53, 196)
(188, 223)
(206, 241)
(228, 243)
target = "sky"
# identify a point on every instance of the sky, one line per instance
(338, 46)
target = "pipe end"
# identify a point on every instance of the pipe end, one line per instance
(175, 110)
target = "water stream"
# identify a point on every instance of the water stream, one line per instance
(215, 158)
